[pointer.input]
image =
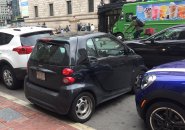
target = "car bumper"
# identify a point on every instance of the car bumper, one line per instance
(140, 111)
(139, 99)
(20, 73)
(58, 102)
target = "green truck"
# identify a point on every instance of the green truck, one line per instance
(156, 14)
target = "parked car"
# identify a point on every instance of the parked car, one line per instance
(163, 47)
(160, 100)
(72, 74)
(15, 48)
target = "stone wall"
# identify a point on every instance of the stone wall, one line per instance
(79, 11)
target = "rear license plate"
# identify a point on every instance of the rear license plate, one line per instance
(40, 75)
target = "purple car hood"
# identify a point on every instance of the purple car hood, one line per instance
(170, 68)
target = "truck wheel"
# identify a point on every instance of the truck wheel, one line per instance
(82, 107)
(120, 36)
(9, 79)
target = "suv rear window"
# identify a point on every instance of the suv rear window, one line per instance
(31, 38)
(52, 54)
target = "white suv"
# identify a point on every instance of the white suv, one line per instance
(16, 44)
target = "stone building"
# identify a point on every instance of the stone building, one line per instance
(55, 13)
(4, 12)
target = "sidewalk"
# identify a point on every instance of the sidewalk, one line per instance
(15, 115)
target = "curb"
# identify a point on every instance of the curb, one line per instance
(78, 126)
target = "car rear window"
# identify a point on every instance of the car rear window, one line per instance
(52, 54)
(31, 38)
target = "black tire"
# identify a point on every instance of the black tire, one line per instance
(73, 110)
(120, 36)
(137, 81)
(162, 114)
(12, 82)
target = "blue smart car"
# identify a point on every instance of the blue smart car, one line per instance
(161, 99)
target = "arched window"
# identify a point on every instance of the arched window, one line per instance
(91, 5)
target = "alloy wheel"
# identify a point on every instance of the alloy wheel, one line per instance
(7, 77)
(165, 118)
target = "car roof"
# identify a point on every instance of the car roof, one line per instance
(24, 30)
(72, 35)
(80, 34)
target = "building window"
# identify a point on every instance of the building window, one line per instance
(51, 12)
(69, 7)
(91, 5)
(36, 11)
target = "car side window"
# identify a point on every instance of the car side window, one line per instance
(5, 38)
(107, 46)
(182, 35)
(91, 51)
(171, 34)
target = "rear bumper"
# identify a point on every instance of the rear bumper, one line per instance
(59, 102)
(20, 73)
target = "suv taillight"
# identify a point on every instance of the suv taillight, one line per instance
(68, 79)
(23, 50)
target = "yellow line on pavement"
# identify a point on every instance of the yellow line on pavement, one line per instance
(78, 126)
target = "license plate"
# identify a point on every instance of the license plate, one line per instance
(40, 75)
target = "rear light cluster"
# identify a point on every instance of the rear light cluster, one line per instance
(68, 79)
(23, 50)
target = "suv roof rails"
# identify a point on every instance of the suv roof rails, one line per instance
(16, 29)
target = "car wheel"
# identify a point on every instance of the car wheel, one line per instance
(137, 81)
(120, 36)
(165, 116)
(9, 79)
(82, 107)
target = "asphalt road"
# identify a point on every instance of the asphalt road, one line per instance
(116, 114)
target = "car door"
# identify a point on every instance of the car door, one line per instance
(113, 68)
(164, 47)
(171, 45)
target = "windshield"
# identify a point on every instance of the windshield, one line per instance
(31, 38)
(176, 33)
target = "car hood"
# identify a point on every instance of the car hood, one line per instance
(173, 68)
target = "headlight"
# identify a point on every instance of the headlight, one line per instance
(147, 81)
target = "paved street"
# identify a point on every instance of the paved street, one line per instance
(117, 114)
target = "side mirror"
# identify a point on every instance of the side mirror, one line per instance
(152, 40)
(121, 17)
(129, 51)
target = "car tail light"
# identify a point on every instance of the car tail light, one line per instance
(67, 72)
(68, 80)
(23, 50)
